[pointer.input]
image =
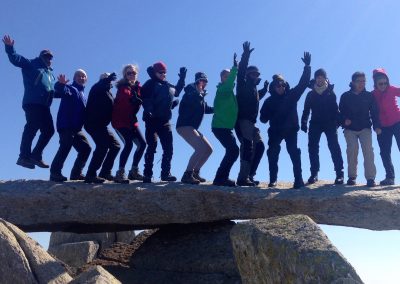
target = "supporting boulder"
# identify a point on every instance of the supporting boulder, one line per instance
(95, 275)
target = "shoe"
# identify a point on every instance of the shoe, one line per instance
(339, 180)
(189, 178)
(387, 181)
(371, 183)
(312, 179)
(225, 182)
(245, 182)
(94, 179)
(147, 179)
(134, 174)
(39, 163)
(57, 178)
(168, 177)
(196, 175)
(256, 182)
(272, 184)
(120, 177)
(298, 184)
(351, 181)
(107, 176)
(26, 163)
(77, 176)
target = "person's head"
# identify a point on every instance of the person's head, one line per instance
(104, 76)
(358, 80)
(160, 70)
(200, 80)
(253, 75)
(130, 72)
(224, 75)
(278, 84)
(47, 57)
(80, 77)
(381, 80)
(320, 77)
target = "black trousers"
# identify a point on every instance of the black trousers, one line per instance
(227, 139)
(385, 144)
(107, 148)
(157, 129)
(38, 117)
(314, 136)
(274, 148)
(128, 137)
(68, 139)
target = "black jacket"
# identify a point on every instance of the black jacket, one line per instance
(158, 96)
(360, 109)
(192, 108)
(324, 108)
(99, 106)
(281, 110)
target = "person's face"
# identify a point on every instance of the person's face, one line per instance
(131, 74)
(280, 88)
(320, 81)
(80, 78)
(161, 75)
(359, 84)
(254, 77)
(382, 84)
(201, 84)
(47, 59)
(224, 77)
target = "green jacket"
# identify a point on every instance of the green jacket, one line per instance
(225, 103)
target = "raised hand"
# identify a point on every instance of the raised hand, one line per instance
(235, 63)
(307, 58)
(8, 40)
(266, 84)
(182, 73)
(112, 77)
(62, 79)
(246, 48)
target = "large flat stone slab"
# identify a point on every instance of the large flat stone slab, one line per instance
(78, 207)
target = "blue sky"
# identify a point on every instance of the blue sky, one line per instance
(342, 36)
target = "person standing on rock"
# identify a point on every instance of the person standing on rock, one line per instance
(248, 98)
(389, 117)
(126, 105)
(223, 122)
(325, 118)
(191, 112)
(280, 109)
(357, 108)
(38, 81)
(70, 119)
(98, 116)
(158, 101)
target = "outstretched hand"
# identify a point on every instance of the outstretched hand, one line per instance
(266, 84)
(182, 73)
(307, 58)
(8, 40)
(235, 63)
(112, 77)
(246, 48)
(62, 79)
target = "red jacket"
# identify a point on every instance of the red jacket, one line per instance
(126, 105)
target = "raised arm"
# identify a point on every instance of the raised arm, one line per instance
(61, 88)
(15, 58)
(244, 62)
(305, 77)
(181, 82)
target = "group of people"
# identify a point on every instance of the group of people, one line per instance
(357, 111)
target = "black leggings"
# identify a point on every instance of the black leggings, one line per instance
(128, 137)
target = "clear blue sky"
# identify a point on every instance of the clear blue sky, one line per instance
(100, 36)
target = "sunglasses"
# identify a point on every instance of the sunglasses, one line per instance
(162, 72)
(383, 84)
(129, 73)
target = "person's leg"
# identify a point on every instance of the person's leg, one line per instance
(192, 137)
(368, 153)
(140, 147)
(66, 142)
(246, 129)
(295, 156)
(126, 135)
(274, 148)
(151, 140)
(352, 154)
(314, 137)
(113, 149)
(336, 153)
(32, 125)
(46, 132)
(100, 138)
(258, 152)
(166, 140)
(81, 145)
(385, 145)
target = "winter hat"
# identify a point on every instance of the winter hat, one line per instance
(320, 72)
(276, 79)
(46, 53)
(200, 76)
(252, 69)
(379, 73)
(159, 67)
(104, 75)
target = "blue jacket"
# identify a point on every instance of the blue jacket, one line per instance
(71, 113)
(38, 78)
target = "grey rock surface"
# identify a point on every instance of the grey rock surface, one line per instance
(75, 254)
(290, 249)
(79, 207)
(103, 239)
(125, 236)
(95, 275)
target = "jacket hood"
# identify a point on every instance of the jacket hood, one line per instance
(378, 72)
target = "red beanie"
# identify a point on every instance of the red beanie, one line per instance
(159, 66)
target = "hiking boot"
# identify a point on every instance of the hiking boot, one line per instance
(272, 183)
(57, 177)
(387, 181)
(107, 176)
(351, 181)
(79, 176)
(147, 179)
(339, 180)
(189, 178)
(134, 174)
(224, 182)
(168, 177)
(196, 175)
(25, 162)
(39, 163)
(245, 182)
(120, 177)
(312, 179)
(371, 183)
(298, 183)
(94, 179)
(256, 182)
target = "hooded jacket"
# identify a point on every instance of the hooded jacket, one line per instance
(281, 110)
(192, 108)
(158, 96)
(389, 112)
(324, 108)
(126, 105)
(71, 113)
(37, 77)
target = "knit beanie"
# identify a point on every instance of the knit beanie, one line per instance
(159, 67)
(200, 76)
(320, 72)
(379, 73)
(252, 69)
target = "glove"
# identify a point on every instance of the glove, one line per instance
(307, 58)
(304, 128)
(147, 116)
(266, 84)
(246, 48)
(182, 73)
(175, 103)
(235, 63)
